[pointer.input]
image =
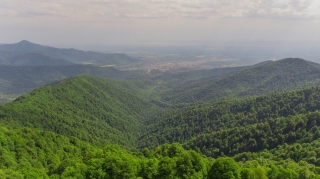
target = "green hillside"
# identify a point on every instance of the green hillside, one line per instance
(279, 75)
(92, 109)
(232, 126)
(299, 129)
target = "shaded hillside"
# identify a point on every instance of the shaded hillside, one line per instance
(92, 109)
(270, 120)
(279, 75)
(30, 59)
(72, 55)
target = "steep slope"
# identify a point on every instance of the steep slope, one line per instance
(72, 55)
(30, 59)
(92, 109)
(279, 75)
(240, 125)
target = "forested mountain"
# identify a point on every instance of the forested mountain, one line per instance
(69, 128)
(29, 59)
(279, 75)
(266, 136)
(72, 55)
(233, 126)
(94, 110)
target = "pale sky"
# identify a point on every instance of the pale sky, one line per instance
(158, 21)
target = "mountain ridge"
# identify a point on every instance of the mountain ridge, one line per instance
(72, 55)
(285, 74)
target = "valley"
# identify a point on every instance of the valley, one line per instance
(63, 119)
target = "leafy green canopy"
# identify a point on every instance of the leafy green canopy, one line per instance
(92, 109)
(270, 115)
(31, 153)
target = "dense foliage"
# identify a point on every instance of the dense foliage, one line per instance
(30, 153)
(91, 109)
(69, 130)
(183, 124)
(258, 137)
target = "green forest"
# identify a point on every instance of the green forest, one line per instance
(88, 127)
(31, 153)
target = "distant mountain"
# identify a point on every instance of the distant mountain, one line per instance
(279, 75)
(29, 59)
(72, 55)
(173, 78)
(92, 109)
(21, 79)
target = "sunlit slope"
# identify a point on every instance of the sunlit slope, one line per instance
(92, 109)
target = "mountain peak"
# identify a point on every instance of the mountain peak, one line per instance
(24, 41)
(291, 60)
(297, 62)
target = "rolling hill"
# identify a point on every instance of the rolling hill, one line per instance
(92, 109)
(279, 75)
(72, 55)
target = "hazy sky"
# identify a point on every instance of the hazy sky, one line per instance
(158, 21)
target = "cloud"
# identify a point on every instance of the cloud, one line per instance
(163, 8)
